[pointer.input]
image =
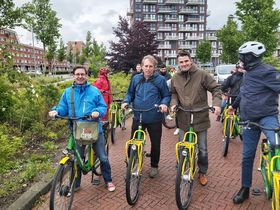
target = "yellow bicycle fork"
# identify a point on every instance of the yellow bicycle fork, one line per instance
(139, 143)
(190, 147)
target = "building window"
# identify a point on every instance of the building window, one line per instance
(153, 8)
(202, 9)
(160, 1)
(160, 17)
(145, 8)
(181, 18)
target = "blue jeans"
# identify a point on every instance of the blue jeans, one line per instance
(202, 150)
(250, 143)
(99, 149)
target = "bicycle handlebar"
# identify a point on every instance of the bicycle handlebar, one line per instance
(248, 123)
(156, 106)
(212, 109)
(86, 117)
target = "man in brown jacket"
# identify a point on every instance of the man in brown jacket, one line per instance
(189, 90)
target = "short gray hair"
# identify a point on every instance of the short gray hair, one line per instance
(151, 58)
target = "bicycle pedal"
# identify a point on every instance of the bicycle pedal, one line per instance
(123, 128)
(147, 154)
(256, 192)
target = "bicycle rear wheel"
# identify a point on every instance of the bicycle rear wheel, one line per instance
(113, 128)
(184, 184)
(170, 121)
(62, 190)
(227, 138)
(133, 178)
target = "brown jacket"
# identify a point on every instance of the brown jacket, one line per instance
(189, 90)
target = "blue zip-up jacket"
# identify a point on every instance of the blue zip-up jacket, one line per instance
(144, 94)
(87, 99)
(259, 93)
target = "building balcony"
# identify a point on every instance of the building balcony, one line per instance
(191, 29)
(164, 28)
(212, 38)
(172, 2)
(170, 55)
(171, 37)
(150, 1)
(164, 46)
(185, 46)
(172, 20)
(194, 38)
(195, 2)
(188, 11)
(149, 20)
(164, 10)
(194, 20)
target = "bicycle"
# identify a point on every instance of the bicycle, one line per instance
(135, 154)
(63, 184)
(231, 129)
(117, 116)
(186, 157)
(269, 164)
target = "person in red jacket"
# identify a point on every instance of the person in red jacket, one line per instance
(103, 84)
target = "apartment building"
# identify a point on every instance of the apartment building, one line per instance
(179, 24)
(27, 57)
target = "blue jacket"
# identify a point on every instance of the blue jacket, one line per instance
(259, 93)
(87, 99)
(144, 94)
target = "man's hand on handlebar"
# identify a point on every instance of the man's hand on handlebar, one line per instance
(53, 113)
(163, 108)
(123, 106)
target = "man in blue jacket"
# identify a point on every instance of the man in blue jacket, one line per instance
(146, 90)
(87, 101)
(258, 99)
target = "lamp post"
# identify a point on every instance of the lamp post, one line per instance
(34, 60)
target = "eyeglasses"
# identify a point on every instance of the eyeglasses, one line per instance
(82, 75)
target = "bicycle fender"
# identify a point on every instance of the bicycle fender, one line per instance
(63, 160)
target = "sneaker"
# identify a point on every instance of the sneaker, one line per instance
(111, 187)
(202, 179)
(168, 117)
(176, 132)
(153, 172)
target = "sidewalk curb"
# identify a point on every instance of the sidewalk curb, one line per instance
(27, 199)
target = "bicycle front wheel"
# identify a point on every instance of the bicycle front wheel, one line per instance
(184, 183)
(227, 137)
(62, 190)
(265, 174)
(133, 178)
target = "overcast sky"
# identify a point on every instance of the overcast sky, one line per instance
(97, 16)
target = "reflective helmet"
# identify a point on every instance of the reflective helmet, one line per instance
(103, 71)
(255, 48)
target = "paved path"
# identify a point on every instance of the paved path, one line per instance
(158, 193)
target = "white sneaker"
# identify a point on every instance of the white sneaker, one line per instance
(168, 117)
(176, 132)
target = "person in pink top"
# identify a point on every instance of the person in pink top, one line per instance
(103, 84)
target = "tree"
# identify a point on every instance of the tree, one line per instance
(61, 55)
(50, 55)
(70, 55)
(97, 57)
(260, 22)
(42, 20)
(231, 39)
(87, 50)
(203, 51)
(9, 15)
(133, 44)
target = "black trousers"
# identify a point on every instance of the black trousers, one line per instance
(155, 131)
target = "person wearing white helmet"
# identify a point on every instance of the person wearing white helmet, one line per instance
(258, 100)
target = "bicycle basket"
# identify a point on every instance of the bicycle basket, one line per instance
(86, 132)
